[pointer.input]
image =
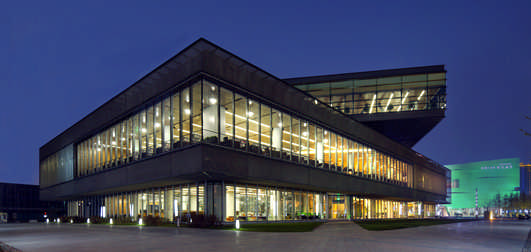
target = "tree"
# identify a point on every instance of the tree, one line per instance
(526, 133)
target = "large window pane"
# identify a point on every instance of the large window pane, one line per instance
(186, 113)
(196, 112)
(265, 118)
(166, 124)
(227, 109)
(254, 122)
(296, 139)
(319, 147)
(240, 104)
(150, 130)
(304, 141)
(176, 119)
(143, 134)
(311, 143)
(158, 127)
(210, 113)
(286, 136)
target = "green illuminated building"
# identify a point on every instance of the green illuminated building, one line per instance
(483, 185)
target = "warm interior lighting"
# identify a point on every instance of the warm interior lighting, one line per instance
(403, 100)
(187, 111)
(389, 101)
(213, 100)
(144, 130)
(372, 104)
(420, 96)
(157, 125)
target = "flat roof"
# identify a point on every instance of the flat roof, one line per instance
(366, 75)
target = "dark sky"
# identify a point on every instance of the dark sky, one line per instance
(61, 60)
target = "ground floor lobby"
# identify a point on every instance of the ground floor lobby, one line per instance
(245, 202)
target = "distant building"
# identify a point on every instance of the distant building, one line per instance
(525, 178)
(20, 203)
(209, 133)
(480, 185)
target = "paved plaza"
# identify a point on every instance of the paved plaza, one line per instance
(467, 236)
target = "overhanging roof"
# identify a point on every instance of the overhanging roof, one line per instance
(366, 75)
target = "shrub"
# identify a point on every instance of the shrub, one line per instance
(203, 221)
(152, 221)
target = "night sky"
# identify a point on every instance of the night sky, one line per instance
(61, 60)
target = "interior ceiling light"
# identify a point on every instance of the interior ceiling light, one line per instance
(372, 103)
(420, 96)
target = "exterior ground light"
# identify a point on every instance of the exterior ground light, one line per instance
(88, 220)
(110, 221)
(238, 224)
(47, 220)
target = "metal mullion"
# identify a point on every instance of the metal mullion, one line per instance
(233, 120)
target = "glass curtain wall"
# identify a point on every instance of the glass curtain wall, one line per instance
(206, 112)
(382, 95)
(366, 208)
(260, 203)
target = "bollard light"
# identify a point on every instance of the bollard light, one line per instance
(140, 221)
(110, 221)
(237, 224)
(71, 221)
(47, 220)
(88, 220)
(58, 220)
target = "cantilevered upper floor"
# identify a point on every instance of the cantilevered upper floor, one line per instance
(403, 104)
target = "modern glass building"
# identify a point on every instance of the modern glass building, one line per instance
(209, 133)
(403, 104)
(480, 185)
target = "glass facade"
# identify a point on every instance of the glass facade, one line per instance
(58, 167)
(382, 95)
(245, 202)
(205, 112)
